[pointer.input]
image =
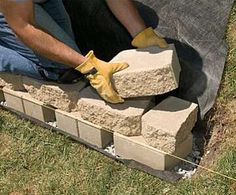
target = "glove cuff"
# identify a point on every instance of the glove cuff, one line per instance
(88, 65)
(142, 36)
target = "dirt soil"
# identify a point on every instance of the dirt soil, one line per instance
(218, 128)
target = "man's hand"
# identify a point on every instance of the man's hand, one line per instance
(148, 38)
(99, 74)
(20, 17)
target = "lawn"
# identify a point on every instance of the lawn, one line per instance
(34, 160)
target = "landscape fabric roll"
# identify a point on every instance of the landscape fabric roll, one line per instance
(197, 29)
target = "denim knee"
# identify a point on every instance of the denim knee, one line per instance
(13, 62)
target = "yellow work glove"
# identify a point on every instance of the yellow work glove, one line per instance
(99, 74)
(148, 38)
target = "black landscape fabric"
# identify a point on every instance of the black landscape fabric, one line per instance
(196, 27)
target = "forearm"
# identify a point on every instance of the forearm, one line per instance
(127, 13)
(46, 45)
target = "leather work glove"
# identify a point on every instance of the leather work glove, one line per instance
(148, 38)
(99, 74)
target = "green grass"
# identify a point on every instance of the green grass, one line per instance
(34, 160)
(37, 161)
(228, 89)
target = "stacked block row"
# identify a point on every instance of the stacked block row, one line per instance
(141, 130)
(71, 123)
(137, 148)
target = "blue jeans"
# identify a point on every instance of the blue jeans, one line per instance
(17, 58)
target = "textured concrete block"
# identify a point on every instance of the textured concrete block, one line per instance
(2, 98)
(136, 148)
(94, 134)
(11, 81)
(37, 109)
(68, 122)
(123, 118)
(151, 71)
(169, 123)
(61, 96)
(14, 99)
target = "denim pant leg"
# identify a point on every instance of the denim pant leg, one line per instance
(44, 20)
(57, 11)
(15, 57)
(9, 40)
(11, 61)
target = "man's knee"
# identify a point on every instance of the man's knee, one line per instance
(12, 62)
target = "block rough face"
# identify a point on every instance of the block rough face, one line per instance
(123, 118)
(136, 148)
(151, 71)
(94, 134)
(68, 122)
(169, 123)
(60, 96)
(182, 150)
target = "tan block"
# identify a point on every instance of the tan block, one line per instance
(182, 150)
(136, 148)
(169, 123)
(37, 109)
(94, 134)
(2, 98)
(11, 81)
(124, 118)
(14, 99)
(61, 96)
(68, 122)
(151, 71)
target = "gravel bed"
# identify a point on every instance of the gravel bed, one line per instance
(110, 149)
(52, 123)
(3, 103)
(187, 169)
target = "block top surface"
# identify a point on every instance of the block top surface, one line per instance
(170, 114)
(10, 76)
(69, 114)
(53, 85)
(145, 59)
(129, 107)
(13, 92)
